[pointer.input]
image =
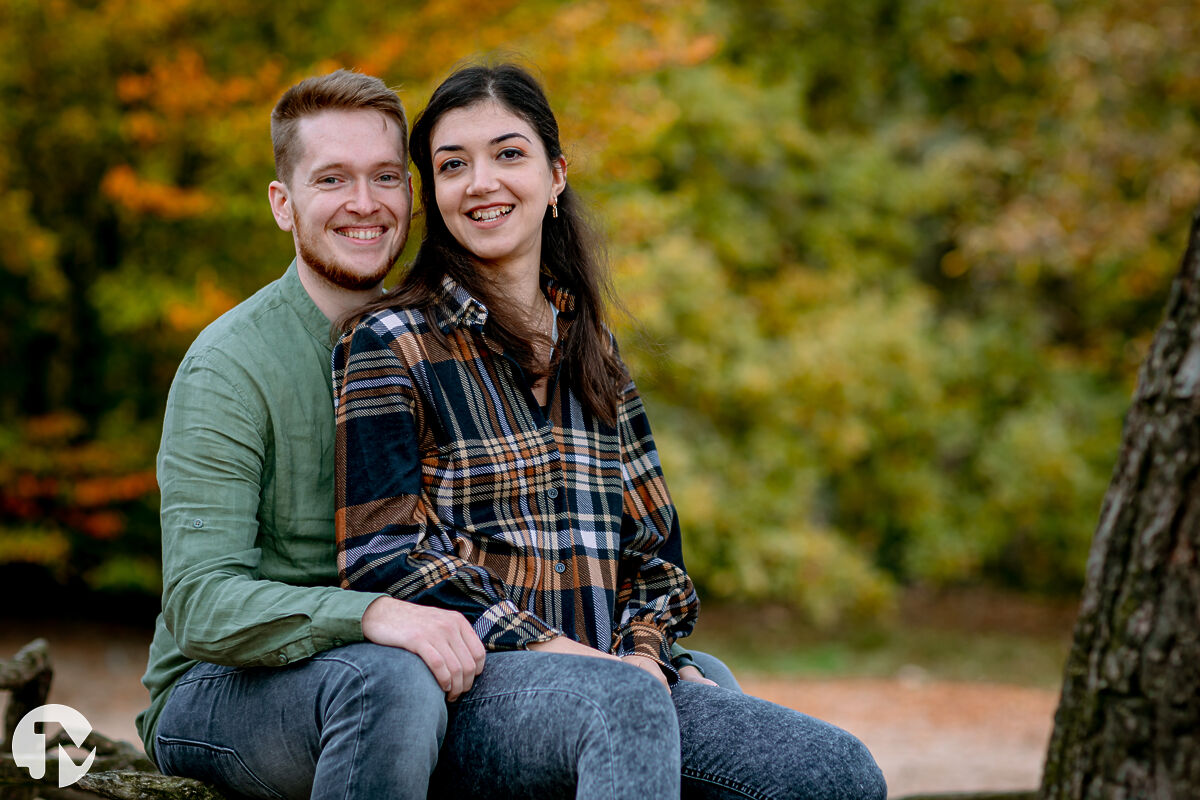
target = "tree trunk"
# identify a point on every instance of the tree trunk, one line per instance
(1128, 722)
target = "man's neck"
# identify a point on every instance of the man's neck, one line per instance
(333, 301)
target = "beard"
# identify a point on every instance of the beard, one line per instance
(329, 269)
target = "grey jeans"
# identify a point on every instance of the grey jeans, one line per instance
(366, 721)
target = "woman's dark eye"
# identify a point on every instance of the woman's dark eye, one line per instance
(449, 164)
(510, 153)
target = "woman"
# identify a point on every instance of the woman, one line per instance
(494, 458)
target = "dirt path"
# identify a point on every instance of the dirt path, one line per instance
(928, 736)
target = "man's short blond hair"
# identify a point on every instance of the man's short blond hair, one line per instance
(343, 90)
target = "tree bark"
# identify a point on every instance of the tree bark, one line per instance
(1128, 722)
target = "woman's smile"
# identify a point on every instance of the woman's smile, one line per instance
(490, 213)
(494, 182)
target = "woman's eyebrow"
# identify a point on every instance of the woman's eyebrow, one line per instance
(502, 137)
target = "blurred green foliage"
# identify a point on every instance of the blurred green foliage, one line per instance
(891, 266)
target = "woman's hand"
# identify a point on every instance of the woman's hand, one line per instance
(565, 645)
(693, 675)
(568, 646)
(651, 666)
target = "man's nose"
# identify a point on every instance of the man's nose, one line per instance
(363, 200)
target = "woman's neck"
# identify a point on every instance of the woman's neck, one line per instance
(521, 286)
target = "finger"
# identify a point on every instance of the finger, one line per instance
(466, 670)
(437, 665)
(451, 647)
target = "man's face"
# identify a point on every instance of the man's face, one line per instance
(349, 198)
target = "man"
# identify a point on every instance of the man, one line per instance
(246, 472)
(265, 678)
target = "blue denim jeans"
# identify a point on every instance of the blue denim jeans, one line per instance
(366, 721)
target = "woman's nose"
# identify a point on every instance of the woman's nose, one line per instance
(483, 179)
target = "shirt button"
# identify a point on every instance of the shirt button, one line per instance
(197, 523)
(283, 658)
(552, 493)
(560, 568)
(338, 643)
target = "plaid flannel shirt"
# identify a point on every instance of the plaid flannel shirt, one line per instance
(454, 489)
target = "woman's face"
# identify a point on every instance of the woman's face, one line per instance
(493, 182)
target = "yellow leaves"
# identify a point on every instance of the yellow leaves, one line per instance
(103, 490)
(210, 302)
(141, 196)
(56, 428)
(34, 545)
(177, 88)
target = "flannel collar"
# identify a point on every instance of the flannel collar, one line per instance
(457, 308)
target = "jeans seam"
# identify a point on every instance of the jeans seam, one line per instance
(170, 740)
(595, 706)
(362, 711)
(727, 783)
(232, 671)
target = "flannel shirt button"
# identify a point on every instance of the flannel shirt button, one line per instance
(197, 523)
(552, 493)
(560, 568)
(338, 643)
(283, 658)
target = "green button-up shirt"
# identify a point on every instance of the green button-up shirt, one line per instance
(245, 468)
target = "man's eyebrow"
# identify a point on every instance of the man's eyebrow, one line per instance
(398, 164)
(501, 138)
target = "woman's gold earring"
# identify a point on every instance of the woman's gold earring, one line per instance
(554, 207)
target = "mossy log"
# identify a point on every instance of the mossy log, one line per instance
(119, 771)
(26, 676)
(1020, 795)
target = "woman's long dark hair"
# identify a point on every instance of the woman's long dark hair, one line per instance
(570, 251)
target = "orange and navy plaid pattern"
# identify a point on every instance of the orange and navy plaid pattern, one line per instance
(455, 489)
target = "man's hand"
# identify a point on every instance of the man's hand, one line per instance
(693, 675)
(651, 666)
(443, 639)
(565, 645)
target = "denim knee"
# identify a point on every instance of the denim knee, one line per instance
(739, 746)
(862, 772)
(384, 684)
(634, 703)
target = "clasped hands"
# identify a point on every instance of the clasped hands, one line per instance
(448, 645)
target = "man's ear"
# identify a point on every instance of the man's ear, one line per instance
(281, 205)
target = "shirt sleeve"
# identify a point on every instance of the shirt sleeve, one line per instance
(389, 538)
(216, 604)
(655, 598)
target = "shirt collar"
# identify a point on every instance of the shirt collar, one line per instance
(312, 318)
(456, 307)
